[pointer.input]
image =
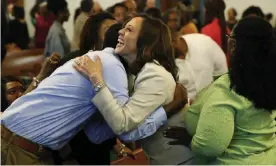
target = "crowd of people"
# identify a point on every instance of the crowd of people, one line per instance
(188, 93)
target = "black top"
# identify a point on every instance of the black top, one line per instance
(18, 34)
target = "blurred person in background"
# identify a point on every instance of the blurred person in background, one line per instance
(4, 36)
(215, 24)
(12, 89)
(57, 40)
(119, 12)
(77, 13)
(44, 20)
(253, 11)
(232, 18)
(172, 20)
(19, 35)
(35, 11)
(86, 11)
(268, 17)
(154, 12)
(97, 7)
(187, 24)
(132, 7)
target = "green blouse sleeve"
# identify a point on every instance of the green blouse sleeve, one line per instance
(215, 127)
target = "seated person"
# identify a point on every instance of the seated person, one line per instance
(12, 89)
(199, 60)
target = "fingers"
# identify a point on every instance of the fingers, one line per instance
(131, 155)
(54, 58)
(174, 132)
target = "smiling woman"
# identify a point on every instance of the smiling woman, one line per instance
(145, 43)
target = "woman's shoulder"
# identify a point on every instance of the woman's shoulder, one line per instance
(156, 70)
(221, 92)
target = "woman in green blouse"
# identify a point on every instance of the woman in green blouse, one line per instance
(233, 120)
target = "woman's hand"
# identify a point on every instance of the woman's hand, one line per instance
(91, 69)
(49, 65)
(179, 134)
(122, 151)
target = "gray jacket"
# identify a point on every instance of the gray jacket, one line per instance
(159, 152)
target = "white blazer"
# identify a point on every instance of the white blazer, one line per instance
(153, 87)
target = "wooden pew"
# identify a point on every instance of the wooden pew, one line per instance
(23, 63)
(141, 159)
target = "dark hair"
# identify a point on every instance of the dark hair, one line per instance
(35, 8)
(154, 12)
(141, 5)
(86, 5)
(252, 63)
(90, 32)
(215, 9)
(154, 43)
(167, 14)
(253, 10)
(111, 36)
(18, 12)
(186, 17)
(7, 79)
(269, 16)
(111, 40)
(235, 12)
(122, 5)
(77, 13)
(57, 6)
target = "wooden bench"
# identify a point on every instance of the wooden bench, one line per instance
(23, 62)
(141, 159)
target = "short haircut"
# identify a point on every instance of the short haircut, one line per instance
(154, 12)
(111, 36)
(122, 5)
(89, 34)
(167, 14)
(253, 10)
(57, 6)
(86, 5)
(18, 12)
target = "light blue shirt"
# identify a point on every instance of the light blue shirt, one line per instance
(55, 111)
(57, 41)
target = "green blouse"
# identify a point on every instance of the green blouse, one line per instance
(228, 129)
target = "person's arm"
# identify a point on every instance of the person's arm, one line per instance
(99, 131)
(138, 101)
(215, 128)
(157, 119)
(49, 65)
(54, 44)
(150, 93)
